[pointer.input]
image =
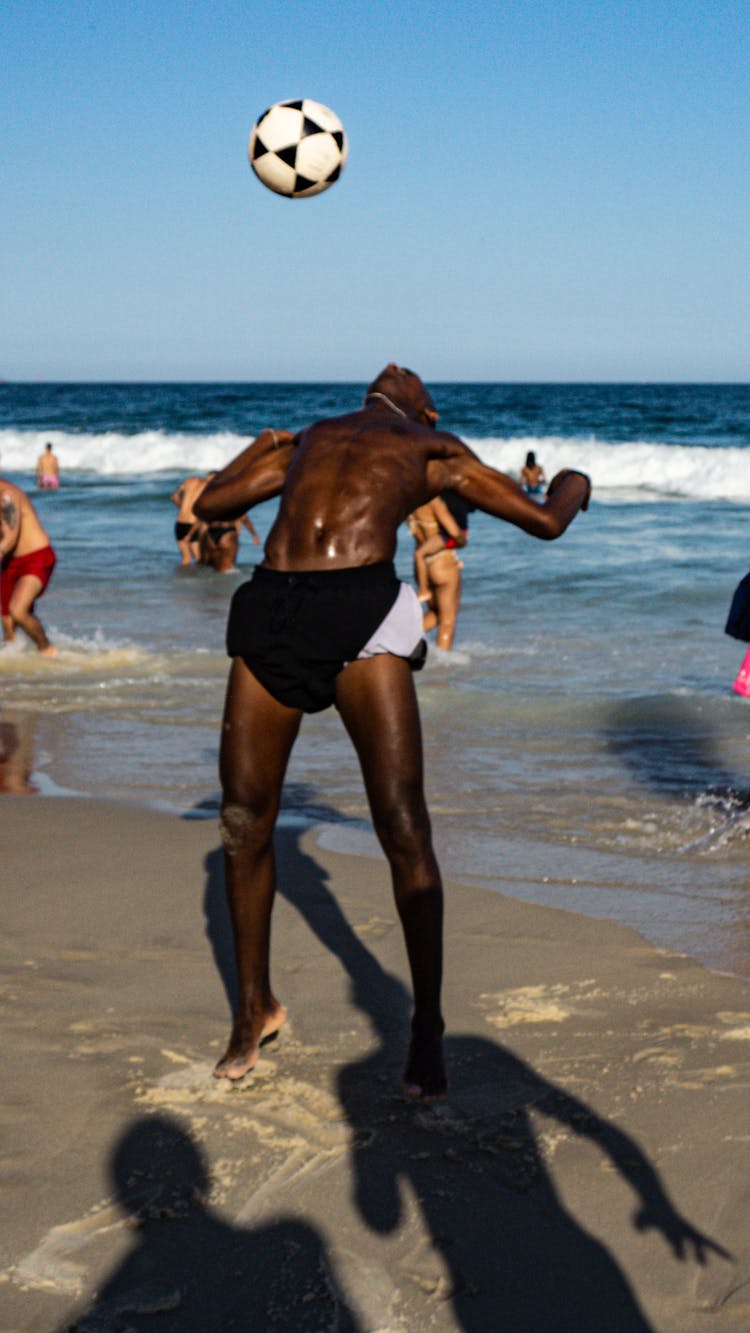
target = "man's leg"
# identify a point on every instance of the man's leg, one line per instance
(378, 705)
(22, 601)
(257, 737)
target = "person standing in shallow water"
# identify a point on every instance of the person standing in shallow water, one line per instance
(324, 621)
(26, 564)
(47, 470)
(532, 475)
(219, 543)
(187, 528)
(439, 570)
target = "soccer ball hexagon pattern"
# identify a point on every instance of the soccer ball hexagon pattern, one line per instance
(298, 148)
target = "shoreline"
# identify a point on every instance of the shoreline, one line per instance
(592, 1147)
(348, 835)
(652, 892)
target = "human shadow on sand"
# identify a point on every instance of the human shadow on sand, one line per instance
(189, 1271)
(516, 1257)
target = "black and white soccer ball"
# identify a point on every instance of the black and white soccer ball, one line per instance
(298, 148)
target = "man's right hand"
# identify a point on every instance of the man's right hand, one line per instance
(571, 472)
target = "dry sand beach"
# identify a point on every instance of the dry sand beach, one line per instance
(592, 1150)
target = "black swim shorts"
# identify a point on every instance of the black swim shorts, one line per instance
(296, 632)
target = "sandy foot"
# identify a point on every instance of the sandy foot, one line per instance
(248, 1035)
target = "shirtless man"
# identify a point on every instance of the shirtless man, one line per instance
(47, 470)
(325, 621)
(187, 529)
(27, 562)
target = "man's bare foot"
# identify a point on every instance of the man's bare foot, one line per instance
(248, 1035)
(49, 651)
(425, 1078)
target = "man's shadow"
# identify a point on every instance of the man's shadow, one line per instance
(189, 1271)
(515, 1256)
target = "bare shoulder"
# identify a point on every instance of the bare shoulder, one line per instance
(10, 504)
(10, 494)
(448, 460)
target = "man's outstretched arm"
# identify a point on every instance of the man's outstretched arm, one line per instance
(498, 494)
(257, 473)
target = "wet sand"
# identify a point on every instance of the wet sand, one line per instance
(592, 1150)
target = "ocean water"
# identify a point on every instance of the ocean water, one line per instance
(583, 744)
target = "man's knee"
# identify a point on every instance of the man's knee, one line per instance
(20, 619)
(403, 828)
(246, 825)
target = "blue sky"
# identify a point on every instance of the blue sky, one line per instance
(535, 191)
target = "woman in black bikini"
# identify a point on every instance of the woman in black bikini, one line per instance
(220, 543)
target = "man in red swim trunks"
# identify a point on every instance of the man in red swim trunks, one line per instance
(27, 561)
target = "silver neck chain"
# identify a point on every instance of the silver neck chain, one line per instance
(386, 399)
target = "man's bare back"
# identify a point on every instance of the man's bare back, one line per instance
(347, 483)
(325, 620)
(47, 469)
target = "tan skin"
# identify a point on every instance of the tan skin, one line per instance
(425, 524)
(532, 476)
(445, 598)
(184, 497)
(47, 464)
(220, 552)
(346, 485)
(438, 569)
(21, 533)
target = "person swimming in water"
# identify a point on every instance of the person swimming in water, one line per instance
(532, 475)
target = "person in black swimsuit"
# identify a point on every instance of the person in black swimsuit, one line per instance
(219, 543)
(187, 528)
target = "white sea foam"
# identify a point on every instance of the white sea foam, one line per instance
(446, 657)
(74, 658)
(634, 470)
(111, 454)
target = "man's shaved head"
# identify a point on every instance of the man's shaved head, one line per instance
(406, 390)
